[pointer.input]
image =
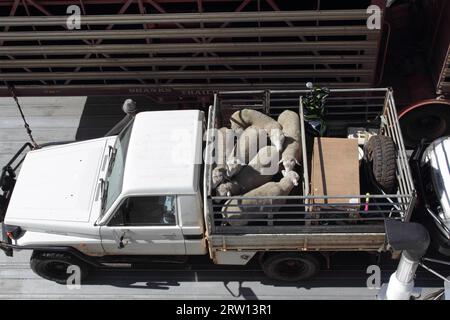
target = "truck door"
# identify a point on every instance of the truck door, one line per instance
(144, 225)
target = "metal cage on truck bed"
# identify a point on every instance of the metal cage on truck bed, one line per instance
(301, 223)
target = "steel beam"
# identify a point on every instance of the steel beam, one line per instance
(186, 33)
(102, 2)
(160, 89)
(192, 39)
(241, 6)
(185, 74)
(170, 18)
(443, 85)
(188, 47)
(194, 61)
(12, 12)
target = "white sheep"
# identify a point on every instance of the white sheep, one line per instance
(228, 189)
(247, 117)
(249, 142)
(224, 138)
(218, 175)
(292, 153)
(270, 189)
(259, 170)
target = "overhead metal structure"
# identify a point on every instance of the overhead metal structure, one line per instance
(437, 44)
(184, 46)
(443, 85)
(444, 79)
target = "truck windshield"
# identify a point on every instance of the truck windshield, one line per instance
(114, 177)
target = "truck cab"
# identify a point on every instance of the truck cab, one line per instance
(137, 193)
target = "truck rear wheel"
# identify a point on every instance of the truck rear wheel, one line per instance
(290, 266)
(54, 266)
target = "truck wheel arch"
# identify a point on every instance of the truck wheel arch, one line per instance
(428, 119)
(304, 265)
(53, 265)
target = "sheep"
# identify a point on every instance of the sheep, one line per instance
(270, 189)
(249, 142)
(259, 170)
(228, 189)
(234, 165)
(218, 175)
(290, 122)
(247, 117)
(224, 138)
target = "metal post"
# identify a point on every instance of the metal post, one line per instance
(401, 283)
(414, 240)
(305, 157)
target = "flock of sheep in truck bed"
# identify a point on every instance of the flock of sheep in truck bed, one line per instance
(246, 167)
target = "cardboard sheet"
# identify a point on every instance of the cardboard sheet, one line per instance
(335, 169)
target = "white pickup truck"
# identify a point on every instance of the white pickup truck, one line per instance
(145, 196)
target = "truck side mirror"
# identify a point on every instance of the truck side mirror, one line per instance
(129, 107)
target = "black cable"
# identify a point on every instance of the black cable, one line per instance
(26, 125)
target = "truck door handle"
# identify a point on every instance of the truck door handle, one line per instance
(120, 239)
(123, 241)
(121, 244)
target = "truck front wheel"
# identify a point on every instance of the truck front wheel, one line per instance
(54, 266)
(290, 266)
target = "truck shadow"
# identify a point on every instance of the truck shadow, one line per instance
(101, 113)
(349, 271)
(243, 282)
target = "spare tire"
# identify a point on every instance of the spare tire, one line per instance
(381, 154)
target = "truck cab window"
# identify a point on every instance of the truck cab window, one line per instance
(145, 211)
(115, 175)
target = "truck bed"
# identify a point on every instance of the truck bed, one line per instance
(299, 224)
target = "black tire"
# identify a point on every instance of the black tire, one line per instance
(290, 266)
(429, 120)
(53, 266)
(381, 154)
(3, 207)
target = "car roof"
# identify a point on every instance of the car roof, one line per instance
(164, 153)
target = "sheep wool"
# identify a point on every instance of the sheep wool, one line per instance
(270, 189)
(224, 138)
(247, 117)
(259, 170)
(249, 142)
(292, 153)
(224, 142)
(228, 189)
(290, 124)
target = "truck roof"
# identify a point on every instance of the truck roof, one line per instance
(164, 153)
